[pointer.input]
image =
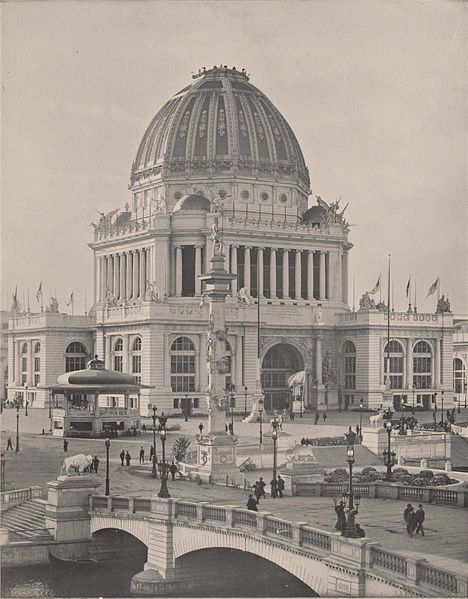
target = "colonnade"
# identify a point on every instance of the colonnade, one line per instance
(124, 274)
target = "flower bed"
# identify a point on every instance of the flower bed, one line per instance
(425, 478)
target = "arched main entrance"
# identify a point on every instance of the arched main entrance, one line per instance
(279, 363)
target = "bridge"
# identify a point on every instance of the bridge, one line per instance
(329, 564)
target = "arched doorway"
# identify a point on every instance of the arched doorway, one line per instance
(279, 363)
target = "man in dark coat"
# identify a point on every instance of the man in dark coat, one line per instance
(409, 518)
(262, 485)
(128, 457)
(122, 456)
(280, 483)
(173, 470)
(341, 517)
(200, 428)
(274, 488)
(95, 464)
(65, 446)
(142, 455)
(252, 503)
(419, 517)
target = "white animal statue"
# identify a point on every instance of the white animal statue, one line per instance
(300, 453)
(80, 462)
(376, 421)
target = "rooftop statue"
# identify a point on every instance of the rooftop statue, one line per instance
(216, 239)
(244, 297)
(443, 305)
(53, 306)
(366, 302)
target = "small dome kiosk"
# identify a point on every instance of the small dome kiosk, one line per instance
(95, 402)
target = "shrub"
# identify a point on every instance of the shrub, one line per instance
(398, 471)
(426, 473)
(420, 481)
(368, 469)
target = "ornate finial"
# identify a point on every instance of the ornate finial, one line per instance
(221, 68)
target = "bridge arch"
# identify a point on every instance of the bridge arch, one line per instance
(135, 528)
(289, 559)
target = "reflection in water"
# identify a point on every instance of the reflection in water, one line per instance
(240, 575)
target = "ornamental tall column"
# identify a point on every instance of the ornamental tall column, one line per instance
(344, 277)
(298, 275)
(129, 282)
(116, 276)
(17, 363)
(234, 268)
(273, 273)
(198, 257)
(178, 261)
(122, 277)
(108, 274)
(322, 276)
(29, 374)
(142, 254)
(285, 274)
(260, 272)
(135, 274)
(310, 274)
(247, 268)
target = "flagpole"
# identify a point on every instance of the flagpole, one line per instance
(29, 309)
(354, 293)
(415, 305)
(393, 297)
(380, 290)
(388, 321)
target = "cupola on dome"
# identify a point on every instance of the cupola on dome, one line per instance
(220, 123)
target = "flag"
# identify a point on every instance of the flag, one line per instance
(408, 285)
(39, 293)
(377, 287)
(70, 301)
(433, 288)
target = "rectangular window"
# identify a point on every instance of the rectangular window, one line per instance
(176, 403)
(37, 379)
(24, 364)
(182, 383)
(118, 363)
(136, 364)
(37, 364)
(196, 402)
(73, 363)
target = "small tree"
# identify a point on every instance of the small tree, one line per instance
(180, 448)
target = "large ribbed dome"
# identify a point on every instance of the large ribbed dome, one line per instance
(220, 123)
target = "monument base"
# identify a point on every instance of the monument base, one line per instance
(295, 473)
(216, 458)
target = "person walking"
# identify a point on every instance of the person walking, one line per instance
(122, 456)
(252, 503)
(357, 430)
(419, 517)
(65, 446)
(408, 516)
(280, 486)
(173, 470)
(144, 427)
(274, 488)
(128, 458)
(262, 485)
(324, 417)
(95, 464)
(151, 453)
(316, 417)
(293, 415)
(142, 455)
(200, 428)
(9, 444)
(231, 429)
(257, 491)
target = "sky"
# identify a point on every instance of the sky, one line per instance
(376, 93)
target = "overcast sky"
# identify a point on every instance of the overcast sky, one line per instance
(375, 92)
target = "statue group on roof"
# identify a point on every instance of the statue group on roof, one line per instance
(443, 305)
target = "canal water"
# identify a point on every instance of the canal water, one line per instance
(114, 581)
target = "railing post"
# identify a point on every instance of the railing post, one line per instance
(262, 521)
(461, 497)
(109, 503)
(426, 495)
(413, 569)
(372, 490)
(230, 515)
(296, 532)
(369, 550)
(201, 510)
(462, 586)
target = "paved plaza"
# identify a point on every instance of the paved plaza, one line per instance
(41, 457)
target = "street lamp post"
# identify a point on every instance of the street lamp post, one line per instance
(414, 387)
(186, 407)
(26, 401)
(231, 401)
(350, 499)
(443, 413)
(361, 405)
(163, 491)
(107, 466)
(401, 431)
(260, 410)
(389, 456)
(301, 409)
(154, 471)
(17, 426)
(434, 413)
(465, 385)
(274, 436)
(245, 401)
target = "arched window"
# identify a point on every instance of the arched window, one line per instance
(24, 363)
(349, 365)
(136, 359)
(395, 368)
(75, 356)
(37, 364)
(458, 376)
(182, 365)
(422, 365)
(118, 354)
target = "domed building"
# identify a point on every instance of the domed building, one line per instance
(221, 147)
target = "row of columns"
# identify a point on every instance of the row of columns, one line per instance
(319, 293)
(124, 274)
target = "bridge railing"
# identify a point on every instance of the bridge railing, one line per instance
(17, 496)
(398, 566)
(380, 490)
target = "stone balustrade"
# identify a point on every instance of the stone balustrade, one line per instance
(17, 496)
(399, 567)
(457, 497)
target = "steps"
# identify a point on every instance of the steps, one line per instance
(459, 451)
(26, 521)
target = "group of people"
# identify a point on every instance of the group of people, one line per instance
(342, 521)
(414, 519)
(125, 457)
(276, 490)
